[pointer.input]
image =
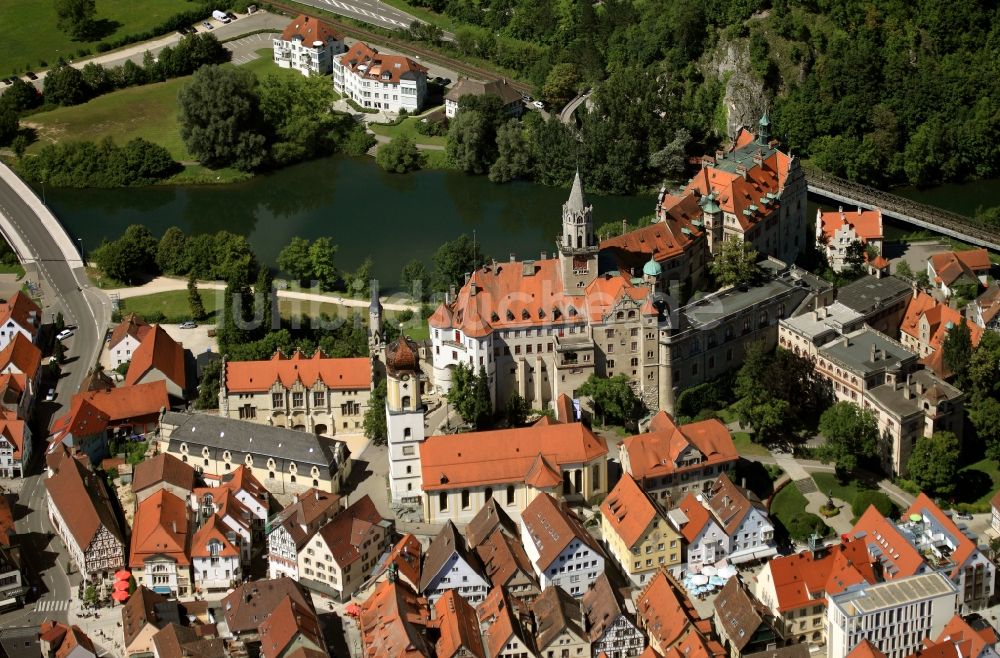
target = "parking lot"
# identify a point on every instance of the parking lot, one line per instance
(245, 50)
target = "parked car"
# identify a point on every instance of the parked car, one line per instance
(526, 98)
(964, 516)
(31, 75)
(188, 325)
(539, 104)
(207, 25)
(51, 395)
(64, 334)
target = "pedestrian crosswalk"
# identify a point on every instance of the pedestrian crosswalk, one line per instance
(50, 605)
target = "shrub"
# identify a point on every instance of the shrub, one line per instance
(104, 164)
(881, 502)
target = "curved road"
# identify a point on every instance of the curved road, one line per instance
(43, 246)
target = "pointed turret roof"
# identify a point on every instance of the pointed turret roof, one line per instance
(376, 303)
(576, 201)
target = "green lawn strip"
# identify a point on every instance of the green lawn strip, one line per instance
(444, 22)
(977, 483)
(14, 268)
(29, 34)
(172, 304)
(846, 491)
(788, 504)
(407, 127)
(746, 447)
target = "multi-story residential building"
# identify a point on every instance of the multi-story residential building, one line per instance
(744, 519)
(671, 622)
(19, 315)
(925, 327)
(404, 422)
(745, 625)
(795, 587)
(488, 519)
(160, 555)
(292, 528)
(286, 461)
(382, 82)
(216, 557)
(82, 514)
(403, 563)
(510, 98)
(951, 270)
(125, 339)
(506, 565)
(636, 532)
(162, 472)
(881, 301)
(670, 459)
(450, 565)
(13, 580)
(291, 630)
(159, 358)
(20, 375)
(318, 394)
(394, 611)
(753, 192)
(541, 328)
(895, 616)
(984, 311)
(975, 638)
(562, 552)
(461, 472)
(145, 613)
(838, 234)
(932, 543)
(610, 621)
(503, 627)
(559, 625)
(308, 45)
(705, 538)
(459, 626)
(804, 334)
(252, 612)
(339, 557)
(58, 640)
(15, 444)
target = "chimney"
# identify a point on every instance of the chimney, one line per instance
(758, 158)
(741, 170)
(544, 255)
(174, 526)
(317, 494)
(874, 351)
(906, 388)
(859, 210)
(472, 289)
(512, 258)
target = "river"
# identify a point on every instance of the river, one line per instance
(390, 217)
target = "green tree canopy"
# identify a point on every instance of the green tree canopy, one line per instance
(516, 412)
(933, 465)
(400, 155)
(470, 396)
(64, 85)
(454, 259)
(195, 303)
(956, 352)
(735, 263)
(472, 135)
(614, 400)
(374, 423)
(414, 274)
(295, 260)
(171, 250)
(851, 435)
(76, 17)
(561, 84)
(322, 255)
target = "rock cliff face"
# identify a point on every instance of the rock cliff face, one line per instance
(744, 100)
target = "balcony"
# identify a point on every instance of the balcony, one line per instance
(566, 342)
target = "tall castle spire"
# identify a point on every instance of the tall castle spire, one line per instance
(577, 245)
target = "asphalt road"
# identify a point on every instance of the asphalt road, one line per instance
(375, 12)
(88, 311)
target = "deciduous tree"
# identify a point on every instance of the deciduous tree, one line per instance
(851, 435)
(322, 254)
(400, 155)
(561, 84)
(454, 259)
(957, 352)
(933, 464)
(614, 400)
(414, 278)
(516, 412)
(296, 261)
(76, 17)
(64, 85)
(374, 423)
(735, 263)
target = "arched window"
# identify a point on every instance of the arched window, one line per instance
(406, 401)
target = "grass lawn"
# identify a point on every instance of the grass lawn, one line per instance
(29, 34)
(847, 492)
(289, 308)
(746, 447)
(407, 127)
(12, 269)
(727, 415)
(438, 160)
(173, 304)
(977, 483)
(788, 504)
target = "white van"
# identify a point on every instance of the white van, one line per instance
(220, 16)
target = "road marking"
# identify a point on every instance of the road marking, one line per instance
(51, 606)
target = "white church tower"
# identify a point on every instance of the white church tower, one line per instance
(404, 420)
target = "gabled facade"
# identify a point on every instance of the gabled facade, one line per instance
(610, 622)
(744, 625)
(927, 323)
(707, 541)
(20, 375)
(950, 270)
(393, 623)
(450, 565)
(125, 339)
(15, 444)
(289, 531)
(673, 626)
(381, 82)
(562, 552)
(160, 554)
(510, 98)
(839, 232)
(559, 625)
(636, 532)
(19, 315)
(215, 557)
(159, 358)
(507, 566)
(985, 310)
(308, 45)
(504, 627)
(744, 519)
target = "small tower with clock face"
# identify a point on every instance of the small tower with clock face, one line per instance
(404, 411)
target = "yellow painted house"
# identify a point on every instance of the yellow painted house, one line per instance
(637, 533)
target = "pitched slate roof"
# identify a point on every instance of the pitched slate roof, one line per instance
(628, 510)
(447, 542)
(553, 526)
(163, 468)
(334, 373)
(160, 352)
(451, 461)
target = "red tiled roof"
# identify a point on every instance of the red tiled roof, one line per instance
(656, 453)
(542, 474)
(865, 649)
(131, 325)
(82, 500)
(553, 527)
(731, 503)
(12, 429)
(166, 468)
(65, 638)
(393, 622)
(697, 515)
(804, 579)
(989, 303)
(369, 63)
(866, 223)
(406, 555)
(664, 239)
(7, 527)
(497, 616)
(503, 557)
(23, 310)
(342, 374)
(665, 611)
(160, 528)
(734, 193)
(286, 622)
(211, 530)
(458, 626)
(349, 529)
(503, 456)
(958, 639)
(309, 30)
(22, 355)
(629, 510)
(160, 352)
(950, 265)
(939, 316)
(881, 536)
(250, 603)
(91, 413)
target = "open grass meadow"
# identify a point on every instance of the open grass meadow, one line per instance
(173, 304)
(406, 127)
(29, 34)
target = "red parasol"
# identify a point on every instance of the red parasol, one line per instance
(123, 574)
(121, 585)
(353, 610)
(120, 595)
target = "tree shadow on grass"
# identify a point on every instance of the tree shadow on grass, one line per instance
(971, 485)
(99, 29)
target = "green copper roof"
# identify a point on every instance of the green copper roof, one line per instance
(764, 121)
(652, 268)
(709, 205)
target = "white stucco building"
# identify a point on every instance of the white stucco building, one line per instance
(382, 82)
(404, 412)
(562, 552)
(308, 45)
(215, 556)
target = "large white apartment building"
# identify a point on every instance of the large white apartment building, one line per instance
(894, 616)
(308, 45)
(382, 82)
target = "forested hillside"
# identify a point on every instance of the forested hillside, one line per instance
(884, 91)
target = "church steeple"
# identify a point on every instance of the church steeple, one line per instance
(763, 129)
(577, 245)
(375, 334)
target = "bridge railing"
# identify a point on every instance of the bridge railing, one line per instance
(896, 205)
